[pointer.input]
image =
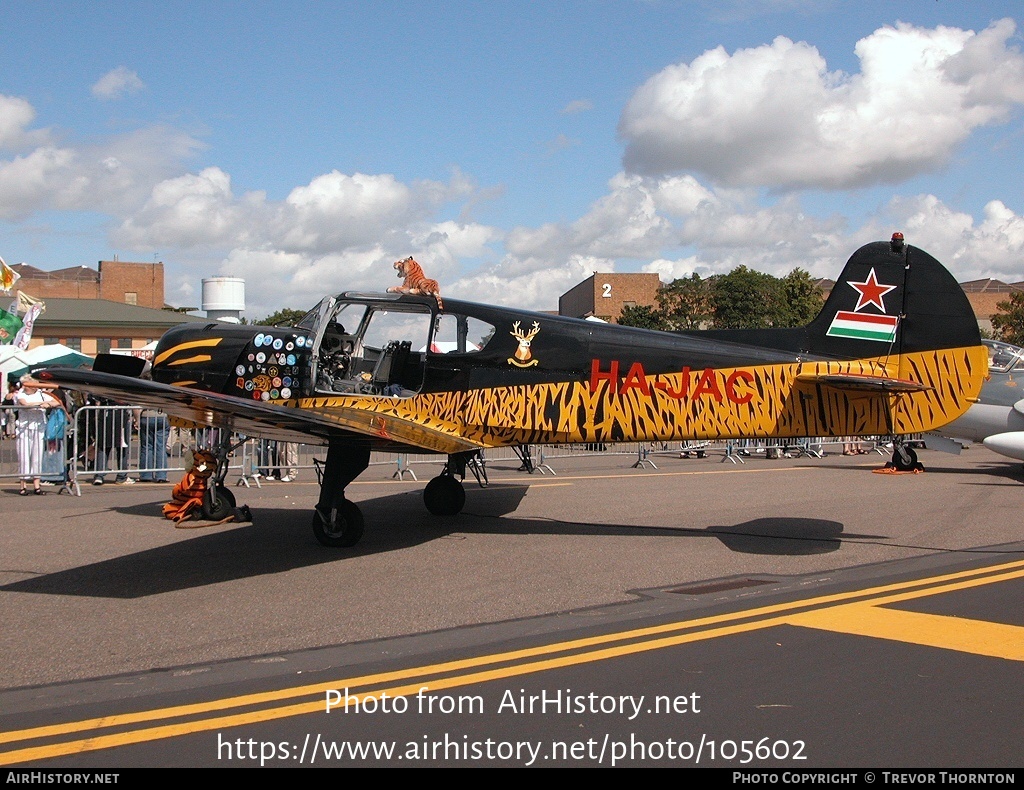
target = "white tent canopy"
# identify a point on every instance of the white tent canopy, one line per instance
(13, 359)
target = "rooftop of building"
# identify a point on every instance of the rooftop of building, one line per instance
(104, 313)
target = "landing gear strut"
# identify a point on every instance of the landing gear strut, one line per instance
(446, 496)
(218, 501)
(337, 522)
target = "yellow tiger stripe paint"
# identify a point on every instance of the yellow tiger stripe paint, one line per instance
(206, 343)
(931, 630)
(771, 401)
(187, 360)
(694, 630)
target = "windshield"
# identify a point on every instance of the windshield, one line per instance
(370, 348)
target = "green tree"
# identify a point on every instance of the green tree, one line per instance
(687, 303)
(642, 316)
(803, 298)
(747, 299)
(1008, 323)
(284, 317)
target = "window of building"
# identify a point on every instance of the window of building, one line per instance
(103, 345)
(131, 298)
(74, 343)
(124, 342)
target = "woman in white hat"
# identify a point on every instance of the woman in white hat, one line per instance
(33, 403)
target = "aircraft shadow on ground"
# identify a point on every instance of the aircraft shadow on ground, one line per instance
(281, 540)
(782, 536)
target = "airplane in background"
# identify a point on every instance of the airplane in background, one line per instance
(997, 418)
(894, 351)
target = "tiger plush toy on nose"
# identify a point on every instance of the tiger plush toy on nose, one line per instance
(415, 282)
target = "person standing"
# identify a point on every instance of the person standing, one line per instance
(153, 428)
(31, 427)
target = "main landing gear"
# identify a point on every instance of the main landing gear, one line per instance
(337, 522)
(446, 496)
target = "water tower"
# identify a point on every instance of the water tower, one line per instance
(224, 298)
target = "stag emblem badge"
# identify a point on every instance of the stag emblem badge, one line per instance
(523, 356)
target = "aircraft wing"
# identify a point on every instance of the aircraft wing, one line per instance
(864, 382)
(308, 421)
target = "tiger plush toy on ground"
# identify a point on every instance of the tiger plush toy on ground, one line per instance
(415, 282)
(187, 498)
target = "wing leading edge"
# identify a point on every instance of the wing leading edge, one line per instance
(378, 419)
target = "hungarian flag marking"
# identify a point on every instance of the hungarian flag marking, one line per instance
(863, 326)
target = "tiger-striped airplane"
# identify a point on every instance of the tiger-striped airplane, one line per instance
(894, 351)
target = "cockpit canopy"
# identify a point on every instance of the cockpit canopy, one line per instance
(378, 344)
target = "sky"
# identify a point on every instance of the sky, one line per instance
(513, 148)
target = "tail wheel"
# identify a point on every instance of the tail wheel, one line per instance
(218, 502)
(904, 459)
(340, 527)
(444, 496)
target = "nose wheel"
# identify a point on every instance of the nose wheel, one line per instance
(218, 503)
(340, 526)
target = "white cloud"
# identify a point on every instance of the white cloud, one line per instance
(535, 289)
(111, 176)
(970, 249)
(577, 106)
(673, 270)
(775, 116)
(561, 143)
(16, 115)
(193, 210)
(117, 83)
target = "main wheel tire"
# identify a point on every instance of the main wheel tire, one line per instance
(218, 502)
(444, 496)
(901, 464)
(342, 527)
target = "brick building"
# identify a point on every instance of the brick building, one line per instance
(119, 305)
(604, 295)
(126, 282)
(97, 326)
(985, 295)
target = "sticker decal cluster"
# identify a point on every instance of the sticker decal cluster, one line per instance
(273, 366)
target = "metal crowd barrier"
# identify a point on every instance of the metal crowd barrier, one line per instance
(126, 443)
(122, 444)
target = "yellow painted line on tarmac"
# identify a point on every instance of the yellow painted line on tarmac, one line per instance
(931, 630)
(485, 668)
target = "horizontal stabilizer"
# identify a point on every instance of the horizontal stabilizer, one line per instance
(864, 382)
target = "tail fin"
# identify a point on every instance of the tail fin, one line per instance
(892, 298)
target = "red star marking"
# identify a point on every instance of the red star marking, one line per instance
(871, 292)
